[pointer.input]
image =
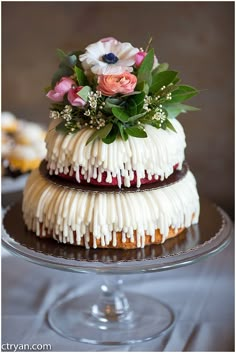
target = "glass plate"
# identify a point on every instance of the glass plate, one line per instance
(210, 235)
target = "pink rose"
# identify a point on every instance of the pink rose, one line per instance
(73, 97)
(110, 85)
(60, 89)
(139, 59)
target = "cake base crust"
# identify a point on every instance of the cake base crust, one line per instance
(128, 244)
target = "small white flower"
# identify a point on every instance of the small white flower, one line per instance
(159, 115)
(54, 114)
(87, 113)
(108, 57)
(68, 109)
(147, 102)
(66, 116)
(92, 99)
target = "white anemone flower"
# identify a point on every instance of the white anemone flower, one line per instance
(108, 57)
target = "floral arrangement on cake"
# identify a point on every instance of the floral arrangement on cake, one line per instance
(115, 89)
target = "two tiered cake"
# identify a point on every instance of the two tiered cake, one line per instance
(116, 175)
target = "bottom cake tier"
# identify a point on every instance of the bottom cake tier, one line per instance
(109, 220)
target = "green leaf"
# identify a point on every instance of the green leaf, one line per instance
(139, 100)
(80, 76)
(83, 93)
(77, 53)
(183, 93)
(147, 118)
(47, 89)
(176, 80)
(131, 107)
(120, 114)
(136, 131)
(175, 109)
(161, 79)
(61, 54)
(143, 86)
(160, 68)
(71, 60)
(145, 69)
(67, 60)
(113, 102)
(133, 118)
(61, 127)
(101, 133)
(154, 123)
(62, 71)
(58, 106)
(169, 125)
(148, 45)
(189, 108)
(110, 103)
(123, 133)
(112, 135)
(134, 93)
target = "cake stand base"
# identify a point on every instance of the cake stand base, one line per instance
(109, 316)
(112, 320)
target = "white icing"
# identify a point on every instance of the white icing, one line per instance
(156, 154)
(40, 149)
(30, 133)
(7, 119)
(63, 211)
(6, 144)
(37, 151)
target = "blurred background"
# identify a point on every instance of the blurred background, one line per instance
(195, 38)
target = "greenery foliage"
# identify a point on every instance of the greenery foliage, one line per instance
(158, 97)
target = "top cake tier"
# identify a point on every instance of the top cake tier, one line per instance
(123, 163)
(114, 108)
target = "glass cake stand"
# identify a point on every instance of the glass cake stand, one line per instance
(108, 315)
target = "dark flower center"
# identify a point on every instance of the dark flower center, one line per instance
(110, 58)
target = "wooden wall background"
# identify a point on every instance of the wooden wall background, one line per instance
(196, 38)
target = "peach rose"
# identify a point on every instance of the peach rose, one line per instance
(110, 85)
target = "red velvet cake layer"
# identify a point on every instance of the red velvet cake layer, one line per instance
(114, 179)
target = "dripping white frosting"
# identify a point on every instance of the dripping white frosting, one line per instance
(63, 212)
(155, 155)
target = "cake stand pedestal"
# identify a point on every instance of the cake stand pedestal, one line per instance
(109, 316)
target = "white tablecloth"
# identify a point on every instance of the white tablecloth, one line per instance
(201, 295)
